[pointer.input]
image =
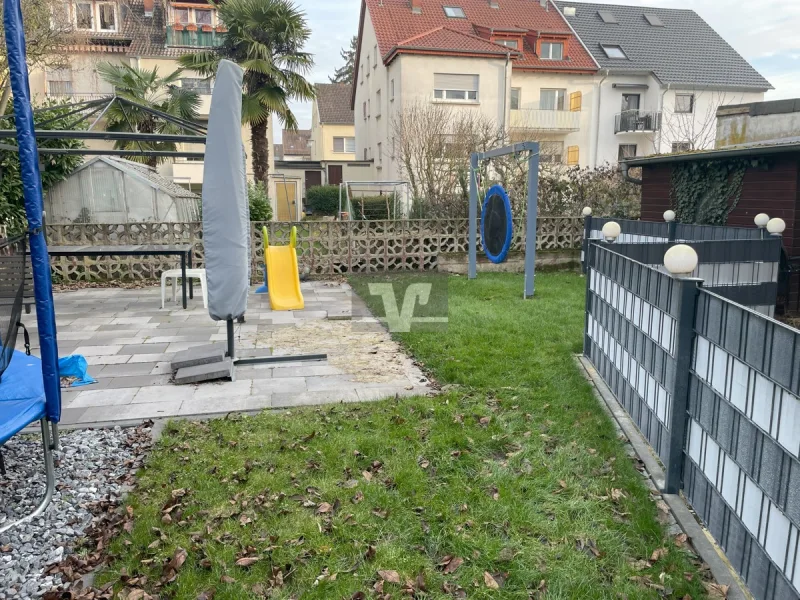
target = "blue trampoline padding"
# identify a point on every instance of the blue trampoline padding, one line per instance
(21, 395)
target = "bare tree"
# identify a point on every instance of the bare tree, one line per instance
(47, 30)
(696, 128)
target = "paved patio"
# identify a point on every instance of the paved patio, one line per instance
(128, 341)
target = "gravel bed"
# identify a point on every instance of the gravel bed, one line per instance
(94, 469)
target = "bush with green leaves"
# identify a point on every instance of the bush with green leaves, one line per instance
(53, 168)
(374, 208)
(323, 199)
(260, 205)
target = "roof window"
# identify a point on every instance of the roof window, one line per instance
(653, 20)
(607, 16)
(613, 51)
(454, 12)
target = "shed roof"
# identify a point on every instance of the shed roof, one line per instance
(742, 150)
(676, 45)
(142, 172)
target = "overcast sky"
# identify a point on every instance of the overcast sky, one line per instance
(765, 32)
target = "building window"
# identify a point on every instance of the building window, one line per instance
(361, 68)
(681, 146)
(684, 103)
(515, 98)
(375, 56)
(380, 154)
(453, 87)
(106, 13)
(613, 51)
(377, 104)
(59, 82)
(508, 43)
(454, 12)
(551, 152)
(365, 154)
(393, 148)
(367, 65)
(365, 110)
(391, 91)
(181, 15)
(197, 84)
(552, 99)
(344, 145)
(83, 15)
(552, 51)
(202, 17)
(369, 107)
(626, 151)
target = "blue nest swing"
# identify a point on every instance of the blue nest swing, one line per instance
(29, 386)
(496, 224)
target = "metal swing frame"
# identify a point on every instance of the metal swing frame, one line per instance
(532, 148)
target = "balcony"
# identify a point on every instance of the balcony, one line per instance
(637, 121)
(63, 97)
(190, 35)
(539, 119)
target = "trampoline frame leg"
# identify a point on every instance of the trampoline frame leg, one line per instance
(50, 484)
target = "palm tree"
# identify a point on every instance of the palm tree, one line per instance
(146, 88)
(266, 38)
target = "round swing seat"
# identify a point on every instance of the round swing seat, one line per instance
(496, 224)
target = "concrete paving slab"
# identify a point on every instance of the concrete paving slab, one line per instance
(103, 398)
(326, 383)
(144, 348)
(198, 406)
(141, 358)
(221, 391)
(293, 385)
(137, 412)
(207, 372)
(172, 393)
(136, 381)
(127, 369)
(98, 350)
(313, 398)
(113, 359)
(198, 355)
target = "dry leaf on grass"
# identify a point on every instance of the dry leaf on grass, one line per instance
(717, 591)
(389, 576)
(450, 563)
(490, 581)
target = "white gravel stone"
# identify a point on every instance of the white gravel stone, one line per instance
(90, 466)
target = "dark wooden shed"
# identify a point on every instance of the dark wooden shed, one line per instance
(771, 187)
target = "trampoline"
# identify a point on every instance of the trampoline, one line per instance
(29, 386)
(496, 224)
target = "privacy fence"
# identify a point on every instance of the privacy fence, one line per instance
(715, 389)
(323, 247)
(735, 262)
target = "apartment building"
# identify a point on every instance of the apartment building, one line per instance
(141, 33)
(591, 82)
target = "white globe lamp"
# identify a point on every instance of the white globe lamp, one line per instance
(776, 226)
(761, 220)
(680, 260)
(587, 211)
(611, 231)
(669, 216)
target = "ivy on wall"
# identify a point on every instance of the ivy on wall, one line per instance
(706, 192)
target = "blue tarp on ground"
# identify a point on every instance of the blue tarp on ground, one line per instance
(75, 366)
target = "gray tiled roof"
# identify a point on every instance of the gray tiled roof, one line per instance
(685, 51)
(333, 102)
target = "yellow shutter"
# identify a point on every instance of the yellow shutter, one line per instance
(573, 154)
(575, 101)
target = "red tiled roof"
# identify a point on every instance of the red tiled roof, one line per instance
(445, 39)
(398, 29)
(295, 143)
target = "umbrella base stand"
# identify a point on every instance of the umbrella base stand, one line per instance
(217, 361)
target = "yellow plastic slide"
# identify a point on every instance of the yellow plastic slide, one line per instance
(283, 276)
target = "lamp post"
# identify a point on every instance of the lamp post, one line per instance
(669, 217)
(761, 220)
(611, 231)
(680, 260)
(776, 226)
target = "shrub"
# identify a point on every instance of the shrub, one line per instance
(373, 208)
(260, 205)
(323, 199)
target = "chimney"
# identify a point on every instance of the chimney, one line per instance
(148, 8)
(416, 7)
(493, 4)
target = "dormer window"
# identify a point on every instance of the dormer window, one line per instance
(201, 17)
(552, 51)
(613, 51)
(95, 16)
(509, 43)
(454, 12)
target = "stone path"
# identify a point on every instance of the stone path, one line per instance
(129, 342)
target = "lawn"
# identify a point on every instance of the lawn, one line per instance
(510, 484)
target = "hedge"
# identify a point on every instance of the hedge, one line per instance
(323, 199)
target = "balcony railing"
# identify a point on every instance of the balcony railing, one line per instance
(76, 96)
(183, 36)
(546, 120)
(637, 120)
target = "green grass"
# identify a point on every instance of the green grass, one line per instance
(515, 470)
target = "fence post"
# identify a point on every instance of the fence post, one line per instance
(587, 230)
(587, 262)
(688, 289)
(672, 227)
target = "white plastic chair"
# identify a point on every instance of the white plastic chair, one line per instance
(175, 274)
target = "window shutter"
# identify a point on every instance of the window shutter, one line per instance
(573, 154)
(338, 144)
(449, 81)
(575, 99)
